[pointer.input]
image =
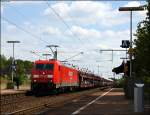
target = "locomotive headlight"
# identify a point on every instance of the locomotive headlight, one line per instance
(49, 76)
(35, 76)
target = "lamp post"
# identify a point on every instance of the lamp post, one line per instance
(131, 9)
(12, 67)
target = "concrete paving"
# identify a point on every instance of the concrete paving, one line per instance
(106, 102)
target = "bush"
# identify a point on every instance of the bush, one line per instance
(10, 85)
(120, 83)
(19, 79)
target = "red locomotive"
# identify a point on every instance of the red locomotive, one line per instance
(52, 74)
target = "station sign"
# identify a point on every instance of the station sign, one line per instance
(125, 44)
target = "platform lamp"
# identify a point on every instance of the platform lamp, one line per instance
(12, 69)
(131, 9)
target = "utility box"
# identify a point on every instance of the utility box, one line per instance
(138, 97)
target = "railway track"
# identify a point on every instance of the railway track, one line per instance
(31, 104)
(7, 98)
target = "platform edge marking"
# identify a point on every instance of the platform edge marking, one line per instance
(85, 106)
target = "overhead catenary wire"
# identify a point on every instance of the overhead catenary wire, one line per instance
(30, 33)
(63, 21)
(74, 34)
(22, 15)
(78, 24)
(19, 27)
(33, 35)
(26, 31)
(60, 42)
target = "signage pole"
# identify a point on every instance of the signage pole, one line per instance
(131, 43)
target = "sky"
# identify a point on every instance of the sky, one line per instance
(75, 26)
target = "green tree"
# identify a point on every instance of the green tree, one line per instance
(3, 65)
(6, 66)
(28, 66)
(22, 69)
(142, 57)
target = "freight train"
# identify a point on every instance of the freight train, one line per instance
(52, 74)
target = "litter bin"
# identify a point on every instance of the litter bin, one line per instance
(138, 97)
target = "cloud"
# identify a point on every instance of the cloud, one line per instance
(85, 33)
(132, 4)
(88, 13)
(2, 9)
(96, 24)
(116, 34)
(11, 28)
(61, 7)
(94, 40)
(28, 25)
(51, 31)
(27, 42)
(101, 46)
(23, 2)
(113, 38)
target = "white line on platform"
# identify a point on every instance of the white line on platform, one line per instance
(85, 106)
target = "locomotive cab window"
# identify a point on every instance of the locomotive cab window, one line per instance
(44, 66)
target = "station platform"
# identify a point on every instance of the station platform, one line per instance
(15, 90)
(107, 102)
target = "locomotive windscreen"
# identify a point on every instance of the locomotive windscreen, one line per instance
(44, 66)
